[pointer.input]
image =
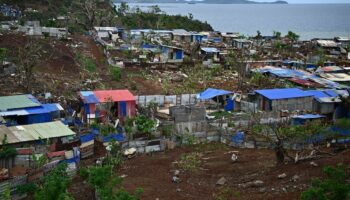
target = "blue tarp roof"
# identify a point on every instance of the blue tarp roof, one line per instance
(211, 93)
(285, 93)
(318, 93)
(45, 108)
(309, 116)
(89, 97)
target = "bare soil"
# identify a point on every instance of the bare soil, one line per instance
(154, 174)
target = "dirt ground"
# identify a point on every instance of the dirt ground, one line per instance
(154, 174)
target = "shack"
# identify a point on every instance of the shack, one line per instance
(210, 53)
(242, 43)
(325, 101)
(291, 99)
(171, 54)
(34, 135)
(94, 104)
(26, 109)
(223, 97)
(303, 119)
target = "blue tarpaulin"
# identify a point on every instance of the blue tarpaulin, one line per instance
(238, 138)
(230, 105)
(89, 97)
(301, 119)
(285, 93)
(118, 137)
(87, 137)
(211, 93)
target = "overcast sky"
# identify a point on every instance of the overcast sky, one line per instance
(312, 1)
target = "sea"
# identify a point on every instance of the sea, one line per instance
(307, 20)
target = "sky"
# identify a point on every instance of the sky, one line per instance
(312, 1)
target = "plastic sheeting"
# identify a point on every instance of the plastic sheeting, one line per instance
(238, 138)
(118, 137)
(285, 93)
(87, 137)
(211, 93)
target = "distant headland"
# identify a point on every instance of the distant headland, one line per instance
(202, 1)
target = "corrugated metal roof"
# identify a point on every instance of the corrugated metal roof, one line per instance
(26, 133)
(115, 95)
(285, 93)
(210, 49)
(44, 108)
(16, 102)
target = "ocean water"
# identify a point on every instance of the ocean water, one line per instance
(308, 20)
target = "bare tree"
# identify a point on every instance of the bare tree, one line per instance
(28, 57)
(281, 134)
(89, 13)
(236, 61)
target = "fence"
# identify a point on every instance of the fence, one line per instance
(176, 100)
(146, 146)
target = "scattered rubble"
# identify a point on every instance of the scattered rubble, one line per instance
(221, 181)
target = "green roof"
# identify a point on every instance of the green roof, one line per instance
(33, 132)
(16, 102)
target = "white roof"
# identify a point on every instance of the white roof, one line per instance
(336, 77)
(327, 43)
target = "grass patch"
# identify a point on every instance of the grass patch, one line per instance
(226, 193)
(190, 161)
(116, 73)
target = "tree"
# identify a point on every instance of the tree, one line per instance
(281, 133)
(236, 62)
(90, 13)
(122, 9)
(277, 34)
(29, 57)
(155, 9)
(101, 178)
(292, 36)
(54, 185)
(335, 186)
(258, 35)
(3, 53)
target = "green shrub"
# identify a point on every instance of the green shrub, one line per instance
(116, 73)
(335, 186)
(89, 64)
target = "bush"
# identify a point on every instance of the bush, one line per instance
(89, 64)
(334, 187)
(116, 73)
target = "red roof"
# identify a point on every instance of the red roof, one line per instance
(116, 95)
(55, 154)
(24, 151)
(302, 82)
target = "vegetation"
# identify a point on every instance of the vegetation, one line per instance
(281, 133)
(226, 193)
(144, 124)
(6, 151)
(116, 73)
(292, 36)
(53, 185)
(190, 161)
(335, 186)
(102, 179)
